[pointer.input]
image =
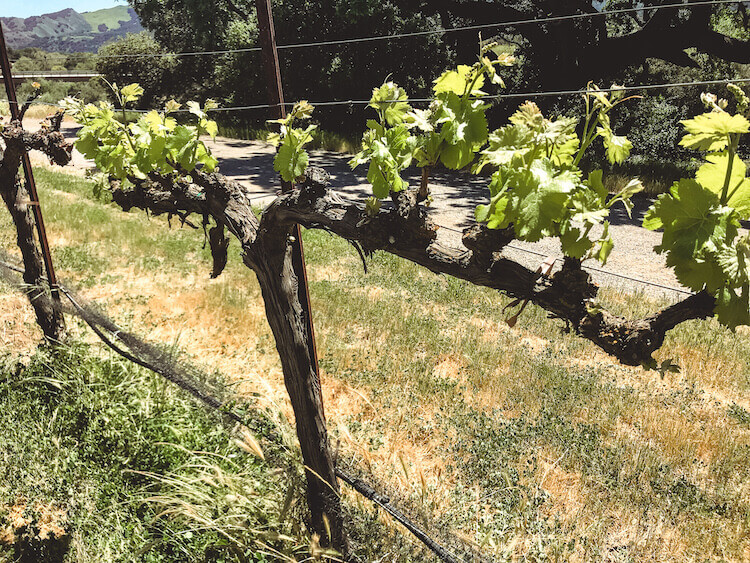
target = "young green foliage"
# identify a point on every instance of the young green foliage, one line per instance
(451, 130)
(387, 144)
(291, 158)
(701, 217)
(537, 186)
(154, 142)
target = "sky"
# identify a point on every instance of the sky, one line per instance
(24, 9)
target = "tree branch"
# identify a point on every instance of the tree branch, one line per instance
(406, 231)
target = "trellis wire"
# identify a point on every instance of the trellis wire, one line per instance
(585, 267)
(479, 27)
(541, 93)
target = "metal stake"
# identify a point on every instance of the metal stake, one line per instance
(15, 113)
(276, 100)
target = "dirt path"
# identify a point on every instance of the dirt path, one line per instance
(455, 196)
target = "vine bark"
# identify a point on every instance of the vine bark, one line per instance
(17, 142)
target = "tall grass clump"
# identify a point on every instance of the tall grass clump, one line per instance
(102, 461)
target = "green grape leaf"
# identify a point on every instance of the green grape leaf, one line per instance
(390, 99)
(465, 133)
(712, 176)
(618, 147)
(482, 213)
(292, 159)
(171, 106)
(380, 185)
(301, 110)
(499, 215)
(290, 162)
(389, 151)
(421, 119)
(505, 144)
(87, 143)
(733, 309)
(733, 261)
(131, 93)
(695, 226)
(603, 248)
(195, 109)
(563, 152)
(457, 81)
(528, 115)
(710, 131)
(588, 207)
(209, 163)
(157, 150)
(427, 152)
(574, 243)
(458, 155)
(211, 128)
(540, 198)
(559, 131)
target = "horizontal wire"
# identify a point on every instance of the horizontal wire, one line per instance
(585, 267)
(592, 268)
(479, 27)
(543, 93)
(512, 23)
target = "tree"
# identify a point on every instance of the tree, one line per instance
(136, 58)
(567, 52)
(326, 73)
(563, 54)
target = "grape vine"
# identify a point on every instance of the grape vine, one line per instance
(701, 216)
(154, 142)
(536, 186)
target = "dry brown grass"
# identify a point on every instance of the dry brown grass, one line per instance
(386, 382)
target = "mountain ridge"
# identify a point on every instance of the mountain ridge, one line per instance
(71, 31)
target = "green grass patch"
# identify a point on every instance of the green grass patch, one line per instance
(111, 17)
(133, 469)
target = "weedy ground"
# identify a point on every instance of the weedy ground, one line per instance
(36, 111)
(526, 443)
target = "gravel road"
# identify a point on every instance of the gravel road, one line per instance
(455, 195)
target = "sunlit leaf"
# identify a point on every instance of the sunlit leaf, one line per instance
(710, 131)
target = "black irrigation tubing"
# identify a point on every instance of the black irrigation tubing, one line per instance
(384, 502)
(538, 94)
(357, 484)
(592, 268)
(512, 23)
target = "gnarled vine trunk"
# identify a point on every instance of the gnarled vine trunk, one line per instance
(404, 230)
(18, 201)
(48, 316)
(272, 261)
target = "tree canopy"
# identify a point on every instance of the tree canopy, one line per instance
(651, 43)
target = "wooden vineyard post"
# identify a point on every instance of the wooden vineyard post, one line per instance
(287, 299)
(23, 205)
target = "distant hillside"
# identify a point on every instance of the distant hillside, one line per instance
(69, 31)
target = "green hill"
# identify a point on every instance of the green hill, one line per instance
(69, 31)
(112, 18)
